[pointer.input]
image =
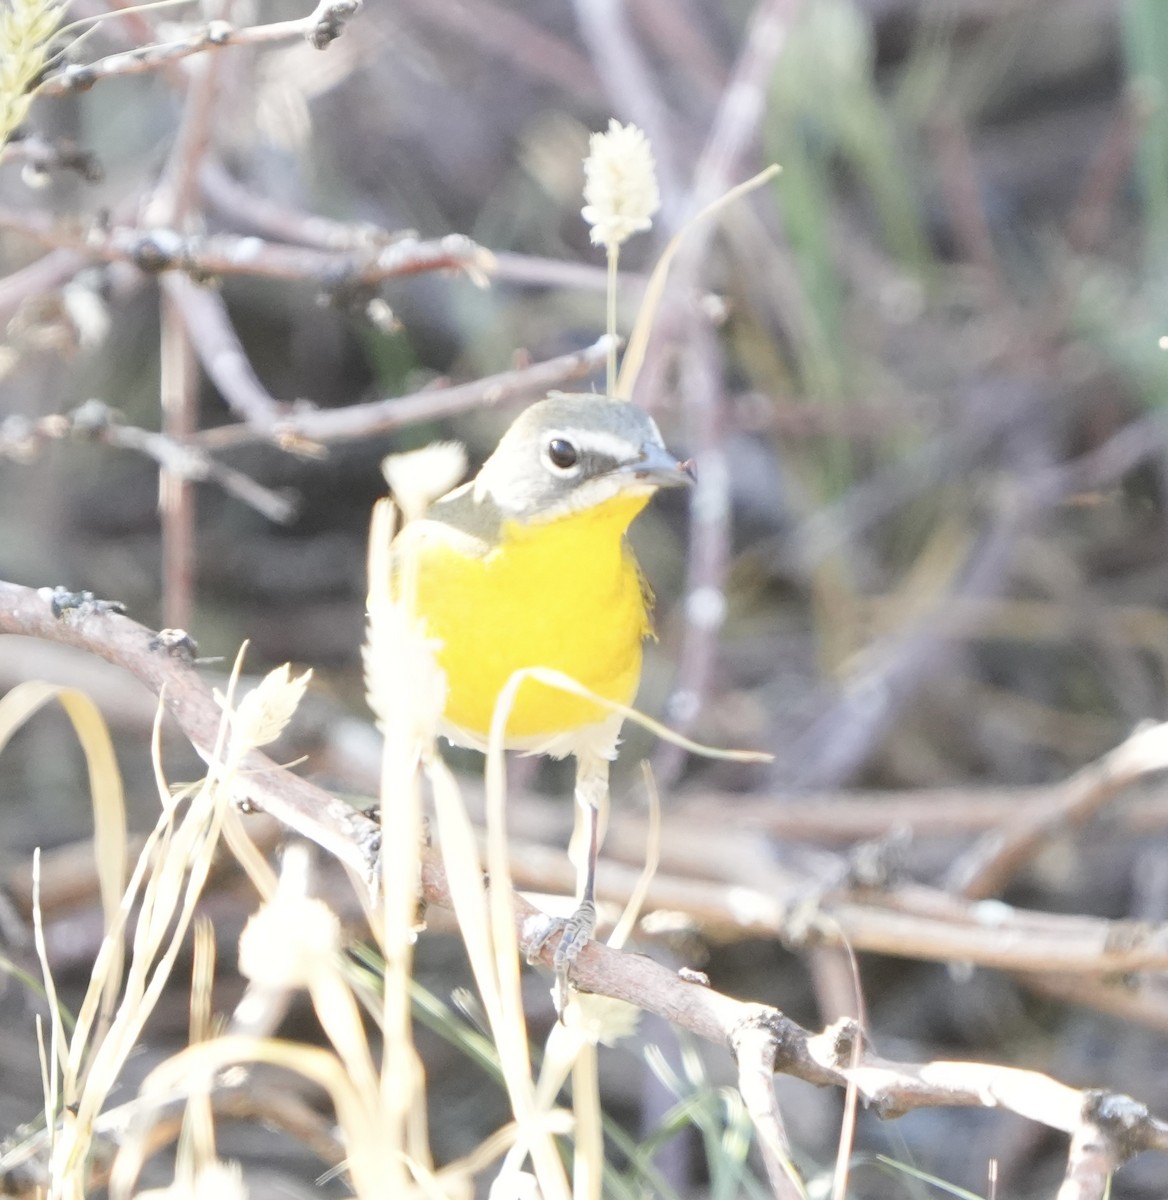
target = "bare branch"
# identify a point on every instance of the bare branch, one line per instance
(1140, 999)
(166, 249)
(307, 810)
(1101, 1143)
(741, 109)
(1089, 1166)
(380, 416)
(906, 921)
(734, 129)
(503, 30)
(20, 439)
(837, 1056)
(710, 532)
(986, 868)
(320, 27)
(46, 273)
(41, 156)
(217, 344)
(272, 219)
(755, 1049)
(628, 79)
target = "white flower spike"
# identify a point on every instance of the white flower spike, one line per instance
(620, 185)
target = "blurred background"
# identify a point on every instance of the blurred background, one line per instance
(921, 374)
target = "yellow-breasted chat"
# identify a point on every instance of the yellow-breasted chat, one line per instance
(528, 565)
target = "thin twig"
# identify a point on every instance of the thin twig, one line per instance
(503, 30)
(732, 133)
(220, 351)
(740, 110)
(272, 219)
(21, 439)
(173, 204)
(632, 90)
(961, 187)
(989, 864)
(38, 154)
(1107, 174)
(842, 736)
(381, 416)
(175, 198)
(178, 387)
(710, 530)
(1138, 999)
(320, 27)
(166, 249)
(46, 273)
(755, 1050)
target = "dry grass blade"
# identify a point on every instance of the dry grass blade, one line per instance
(175, 1078)
(165, 885)
(639, 341)
(106, 795)
(511, 1031)
(406, 689)
(632, 910)
(565, 683)
(197, 1143)
(50, 1060)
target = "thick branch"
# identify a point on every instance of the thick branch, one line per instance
(905, 921)
(168, 672)
(834, 1057)
(1100, 1144)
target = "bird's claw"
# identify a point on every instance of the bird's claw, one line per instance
(577, 932)
(574, 933)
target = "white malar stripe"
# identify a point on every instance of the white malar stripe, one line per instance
(591, 492)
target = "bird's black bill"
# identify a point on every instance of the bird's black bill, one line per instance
(656, 465)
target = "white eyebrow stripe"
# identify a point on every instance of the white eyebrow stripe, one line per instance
(599, 440)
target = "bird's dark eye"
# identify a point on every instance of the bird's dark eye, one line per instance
(562, 453)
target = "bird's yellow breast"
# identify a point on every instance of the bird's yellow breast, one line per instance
(565, 594)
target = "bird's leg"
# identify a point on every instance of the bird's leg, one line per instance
(591, 815)
(591, 810)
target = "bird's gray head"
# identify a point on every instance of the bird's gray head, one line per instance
(566, 453)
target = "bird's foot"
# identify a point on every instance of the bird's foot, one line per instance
(574, 933)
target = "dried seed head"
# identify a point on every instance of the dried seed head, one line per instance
(418, 477)
(289, 941)
(620, 185)
(601, 1018)
(213, 1181)
(261, 716)
(405, 685)
(26, 30)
